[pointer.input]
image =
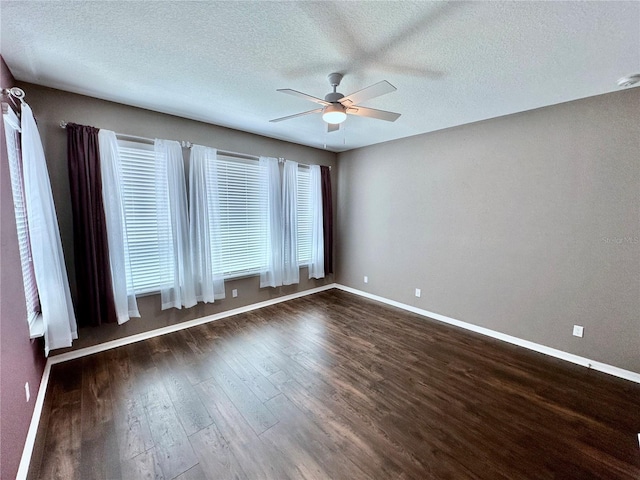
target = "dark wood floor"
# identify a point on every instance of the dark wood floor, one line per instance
(332, 386)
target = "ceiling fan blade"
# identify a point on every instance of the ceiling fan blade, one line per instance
(368, 93)
(373, 113)
(288, 117)
(333, 127)
(295, 93)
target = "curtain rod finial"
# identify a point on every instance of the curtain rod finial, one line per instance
(14, 92)
(63, 124)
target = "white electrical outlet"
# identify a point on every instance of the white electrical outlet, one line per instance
(26, 391)
(418, 292)
(366, 279)
(234, 292)
(578, 331)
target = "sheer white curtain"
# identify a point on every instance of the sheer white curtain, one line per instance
(60, 327)
(204, 217)
(291, 269)
(123, 292)
(182, 292)
(272, 215)
(316, 266)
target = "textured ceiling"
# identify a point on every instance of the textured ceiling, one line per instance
(221, 62)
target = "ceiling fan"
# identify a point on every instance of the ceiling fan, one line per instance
(336, 107)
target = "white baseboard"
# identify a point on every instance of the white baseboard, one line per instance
(25, 460)
(569, 357)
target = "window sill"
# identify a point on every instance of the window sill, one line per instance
(240, 275)
(227, 277)
(36, 327)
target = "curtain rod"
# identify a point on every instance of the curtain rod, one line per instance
(14, 93)
(63, 124)
(186, 144)
(233, 154)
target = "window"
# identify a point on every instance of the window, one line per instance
(236, 201)
(304, 216)
(146, 217)
(242, 227)
(12, 136)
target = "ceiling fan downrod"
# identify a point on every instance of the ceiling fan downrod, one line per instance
(334, 81)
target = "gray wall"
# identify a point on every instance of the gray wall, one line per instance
(525, 224)
(51, 106)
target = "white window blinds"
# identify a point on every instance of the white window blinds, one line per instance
(11, 128)
(242, 226)
(146, 217)
(304, 216)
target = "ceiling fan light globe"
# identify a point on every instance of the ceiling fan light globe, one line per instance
(334, 117)
(334, 114)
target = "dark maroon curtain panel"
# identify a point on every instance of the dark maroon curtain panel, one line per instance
(327, 218)
(94, 300)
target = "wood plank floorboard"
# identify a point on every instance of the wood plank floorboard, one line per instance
(333, 386)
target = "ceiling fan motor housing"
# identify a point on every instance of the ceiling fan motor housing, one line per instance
(333, 97)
